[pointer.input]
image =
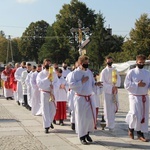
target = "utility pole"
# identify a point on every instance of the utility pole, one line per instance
(9, 50)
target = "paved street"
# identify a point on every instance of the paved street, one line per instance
(19, 130)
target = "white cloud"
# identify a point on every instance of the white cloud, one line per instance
(26, 1)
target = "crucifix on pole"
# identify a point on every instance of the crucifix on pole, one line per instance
(79, 31)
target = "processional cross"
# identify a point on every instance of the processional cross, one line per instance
(80, 31)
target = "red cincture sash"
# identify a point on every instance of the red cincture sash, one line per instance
(88, 99)
(143, 100)
(49, 93)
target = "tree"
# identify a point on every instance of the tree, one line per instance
(139, 41)
(3, 48)
(68, 18)
(17, 57)
(6, 46)
(32, 40)
(96, 45)
(102, 43)
(2, 33)
(50, 48)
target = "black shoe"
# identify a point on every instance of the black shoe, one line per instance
(18, 102)
(10, 98)
(61, 124)
(29, 108)
(89, 139)
(73, 126)
(7, 98)
(51, 126)
(83, 141)
(23, 104)
(54, 121)
(46, 130)
(26, 106)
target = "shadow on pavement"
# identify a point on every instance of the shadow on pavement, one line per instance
(8, 120)
(122, 145)
(64, 131)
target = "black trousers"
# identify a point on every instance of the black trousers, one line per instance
(25, 100)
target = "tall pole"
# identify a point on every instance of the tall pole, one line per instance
(7, 52)
(80, 31)
(9, 48)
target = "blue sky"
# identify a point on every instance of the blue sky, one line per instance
(16, 15)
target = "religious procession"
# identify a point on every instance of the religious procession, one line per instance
(51, 91)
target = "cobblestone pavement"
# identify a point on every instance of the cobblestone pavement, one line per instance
(26, 142)
(11, 135)
(19, 130)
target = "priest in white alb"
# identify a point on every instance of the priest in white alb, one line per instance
(82, 83)
(19, 90)
(46, 87)
(36, 99)
(110, 89)
(137, 83)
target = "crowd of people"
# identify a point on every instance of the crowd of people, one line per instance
(47, 90)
